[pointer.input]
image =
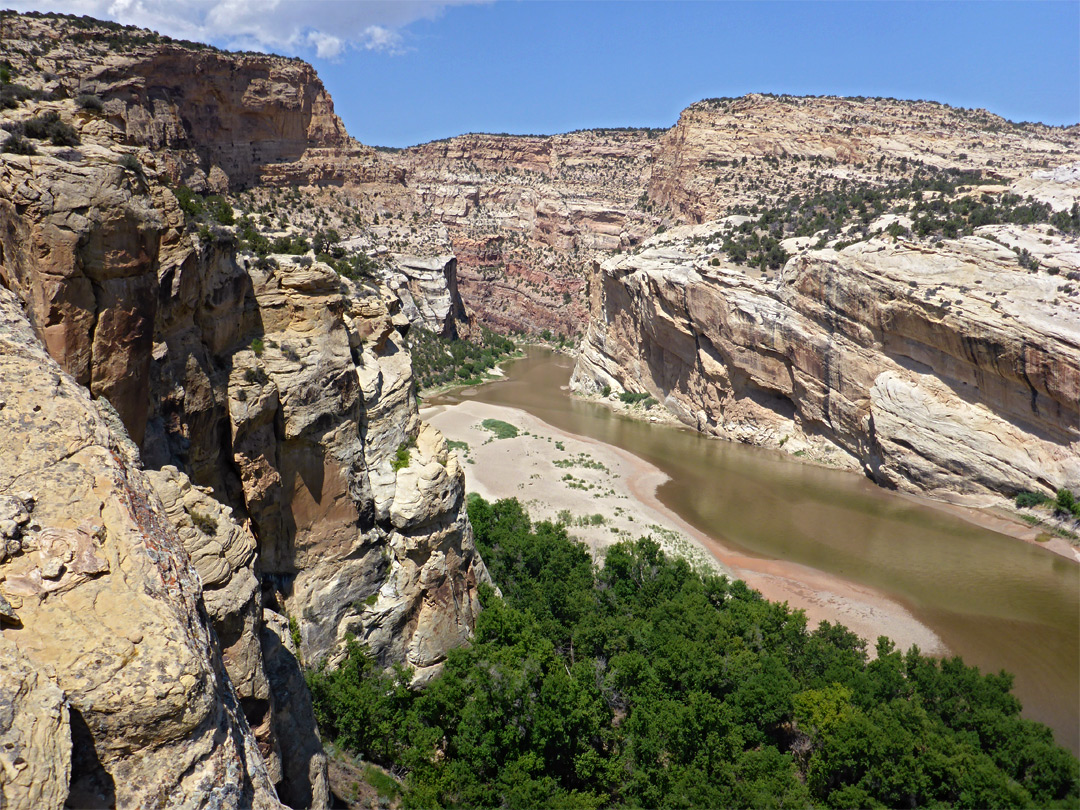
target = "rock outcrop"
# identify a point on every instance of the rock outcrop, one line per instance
(741, 151)
(248, 416)
(428, 291)
(108, 609)
(950, 370)
(214, 120)
(524, 214)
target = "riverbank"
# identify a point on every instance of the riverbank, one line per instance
(606, 494)
(997, 518)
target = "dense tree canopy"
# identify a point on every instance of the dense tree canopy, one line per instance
(643, 683)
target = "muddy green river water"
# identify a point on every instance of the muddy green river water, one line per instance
(997, 601)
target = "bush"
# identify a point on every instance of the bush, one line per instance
(501, 429)
(402, 457)
(48, 126)
(190, 202)
(18, 145)
(220, 210)
(1066, 504)
(131, 163)
(630, 398)
(1026, 500)
(90, 103)
(203, 522)
(12, 95)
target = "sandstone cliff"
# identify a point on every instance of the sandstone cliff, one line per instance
(111, 668)
(950, 369)
(758, 149)
(524, 214)
(215, 120)
(267, 401)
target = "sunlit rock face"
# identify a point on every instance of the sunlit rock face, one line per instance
(200, 447)
(950, 370)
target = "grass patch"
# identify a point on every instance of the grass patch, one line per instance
(402, 457)
(500, 429)
(385, 785)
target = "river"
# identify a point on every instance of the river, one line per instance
(998, 602)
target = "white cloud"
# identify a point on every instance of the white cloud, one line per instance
(325, 27)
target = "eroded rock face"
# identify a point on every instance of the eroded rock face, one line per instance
(109, 607)
(267, 401)
(216, 120)
(524, 214)
(428, 291)
(317, 417)
(949, 370)
(35, 735)
(727, 152)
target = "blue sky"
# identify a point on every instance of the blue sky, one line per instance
(403, 73)
(541, 67)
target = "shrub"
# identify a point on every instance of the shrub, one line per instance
(18, 145)
(220, 210)
(630, 398)
(190, 202)
(12, 95)
(90, 103)
(501, 429)
(130, 163)
(1026, 500)
(294, 632)
(257, 346)
(48, 126)
(256, 375)
(402, 457)
(1066, 503)
(203, 522)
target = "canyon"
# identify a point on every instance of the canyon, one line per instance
(215, 469)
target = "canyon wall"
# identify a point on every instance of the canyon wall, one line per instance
(524, 214)
(758, 149)
(948, 370)
(214, 120)
(114, 688)
(243, 418)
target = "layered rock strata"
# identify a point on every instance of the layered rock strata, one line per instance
(428, 291)
(741, 151)
(950, 370)
(107, 610)
(215, 120)
(524, 214)
(270, 402)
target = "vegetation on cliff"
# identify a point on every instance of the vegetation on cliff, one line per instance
(936, 202)
(644, 683)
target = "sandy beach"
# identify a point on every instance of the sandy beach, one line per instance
(607, 495)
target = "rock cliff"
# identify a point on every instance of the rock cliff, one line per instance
(215, 120)
(524, 214)
(114, 686)
(250, 415)
(757, 149)
(428, 292)
(948, 369)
